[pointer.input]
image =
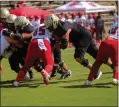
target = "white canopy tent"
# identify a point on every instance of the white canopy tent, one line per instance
(88, 7)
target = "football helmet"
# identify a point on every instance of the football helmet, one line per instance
(51, 21)
(11, 18)
(21, 21)
(4, 13)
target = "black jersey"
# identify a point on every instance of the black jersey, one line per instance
(78, 31)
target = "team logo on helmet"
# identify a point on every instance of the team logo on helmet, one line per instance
(51, 21)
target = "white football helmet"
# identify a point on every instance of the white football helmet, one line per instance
(11, 18)
(21, 21)
(51, 21)
(4, 13)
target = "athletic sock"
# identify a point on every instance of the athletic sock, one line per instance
(20, 75)
(91, 76)
(115, 74)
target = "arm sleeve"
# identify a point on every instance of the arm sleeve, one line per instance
(15, 36)
(64, 44)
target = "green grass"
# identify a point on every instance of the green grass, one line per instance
(67, 92)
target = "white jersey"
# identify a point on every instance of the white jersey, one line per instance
(73, 20)
(90, 23)
(63, 19)
(69, 20)
(114, 31)
(4, 44)
(81, 20)
(42, 33)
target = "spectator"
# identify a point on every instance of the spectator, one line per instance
(73, 15)
(31, 18)
(36, 22)
(20, 4)
(67, 18)
(90, 24)
(81, 19)
(42, 19)
(94, 16)
(59, 16)
(99, 27)
(63, 18)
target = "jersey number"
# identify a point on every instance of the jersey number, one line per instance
(113, 30)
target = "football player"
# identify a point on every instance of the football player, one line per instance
(4, 13)
(18, 56)
(76, 34)
(7, 39)
(39, 47)
(59, 66)
(107, 49)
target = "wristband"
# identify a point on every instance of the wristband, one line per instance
(64, 43)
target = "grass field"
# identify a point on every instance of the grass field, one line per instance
(67, 92)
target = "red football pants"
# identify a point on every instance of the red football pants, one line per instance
(34, 52)
(108, 49)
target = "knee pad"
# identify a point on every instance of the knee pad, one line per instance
(38, 65)
(84, 62)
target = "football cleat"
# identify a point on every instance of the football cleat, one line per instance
(15, 84)
(66, 74)
(115, 82)
(88, 83)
